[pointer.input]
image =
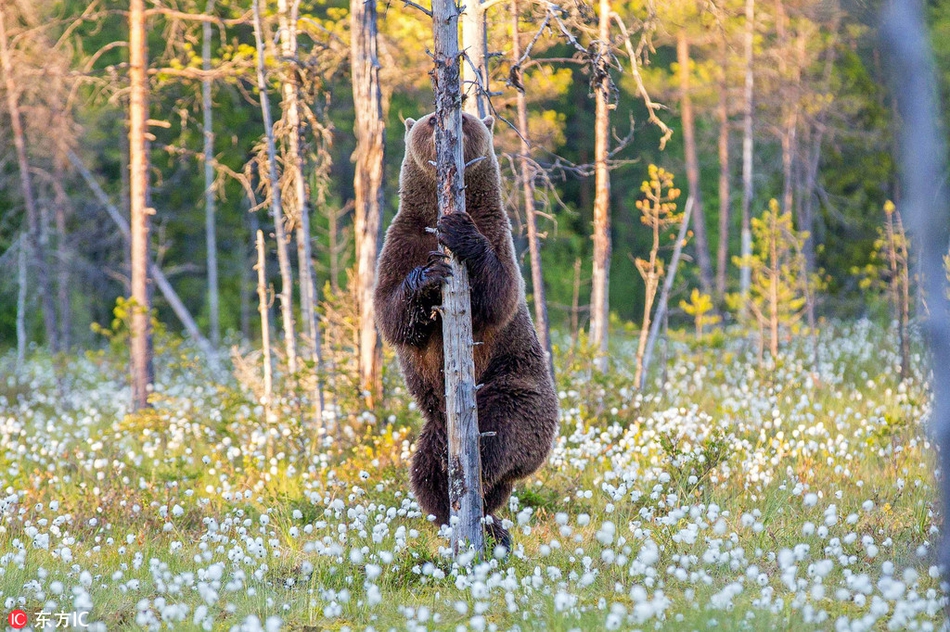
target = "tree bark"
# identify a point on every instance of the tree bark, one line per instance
(745, 273)
(692, 165)
(308, 292)
(26, 186)
(141, 345)
(277, 212)
(475, 62)
(262, 308)
(661, 306)
(370, 132)
(464, 457)
(527, 182)
(208, 127)
(722, 111)
(600, 307)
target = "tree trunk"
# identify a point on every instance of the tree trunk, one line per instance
(600, 307)
(475, 63)
(464, 457)
(643, 366)
(294, 162)
(262, 308)
(692, 165)
(277, 212)
(141, 346)
(62, 259)
(745, 275)
(26, 186)
(370, 132)
(21, 301)
(527, 182)
(210, 239)
(722, 111)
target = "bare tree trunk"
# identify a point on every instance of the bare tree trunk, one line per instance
(722, 111)
(141, 331)
(661, 307)
(308, 290)
(745, 275)
(262, 308)
(773, 287)
(692, 164)
(21, 302)
(210, 239)
(575, 302)
(527, 182)
(475, 62)
(62, 260)
(923, 161)
(277, 212)
(600, 280)
(370, 131)
(26, 185)
(464, 466)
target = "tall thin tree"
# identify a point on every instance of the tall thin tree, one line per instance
(141, 329)
(34, 227)
(211, 241)
(725, 203)
(600, 307)
(692, 163)
(370, 132)
(527, 184)
(463, 439)
(277, 209)
(745, 275)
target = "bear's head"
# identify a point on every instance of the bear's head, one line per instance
(476, 140)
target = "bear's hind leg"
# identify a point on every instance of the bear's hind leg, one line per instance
(428, 476)
(493, 500)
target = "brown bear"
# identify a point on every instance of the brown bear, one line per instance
(517, 405)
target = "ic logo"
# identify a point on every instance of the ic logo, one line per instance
(17, 619)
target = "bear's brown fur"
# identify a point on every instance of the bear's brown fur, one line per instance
(517, 400)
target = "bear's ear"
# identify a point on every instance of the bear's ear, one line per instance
(409, 123)
(489, 122)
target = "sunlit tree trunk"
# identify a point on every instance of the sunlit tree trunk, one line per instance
(692, 164)
(262, 308)
(475, 65)
(527, 182)
(141, 329)
(722, 112)
(464, 457)
(600, 308)
(277, 212)
(210, 239)
(287, 17)
(34, 227)
(370, 132)
(745, 276)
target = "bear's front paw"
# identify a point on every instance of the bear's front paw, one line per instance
(458, 233)
(431, 276)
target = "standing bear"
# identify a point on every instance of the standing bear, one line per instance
(517, 405)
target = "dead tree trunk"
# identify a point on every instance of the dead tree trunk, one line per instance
(923, 165)
(692, 164)
(21, 246)
(475, 60)
(26, 186)
(277, 212)
(262, 308)
(600, 307)
(141, 330)
(294, 163)
(370, 132)
(464, 466)
(722, 111)
(745, 274)
(208, 127)
(527, 183)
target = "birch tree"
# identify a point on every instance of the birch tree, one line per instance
(211, 241)
(745, 274)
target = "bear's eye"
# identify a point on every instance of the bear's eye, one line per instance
(432, 121)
